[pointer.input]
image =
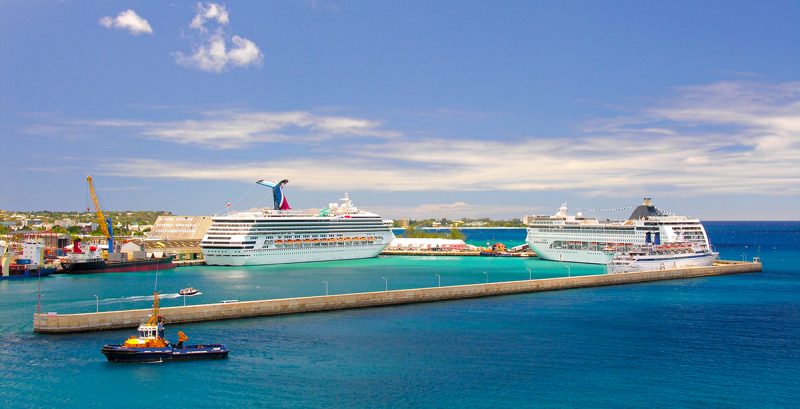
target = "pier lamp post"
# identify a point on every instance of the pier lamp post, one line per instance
(530, 274)
(385, 284)
(439, 279)
(487, 276)
(569, 271)
(744, 256)
(326, 287)
(97, 303)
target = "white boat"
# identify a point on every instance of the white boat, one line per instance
(281, 235)
(660, 257)
(574, 238)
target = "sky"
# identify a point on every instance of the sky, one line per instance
(415, 108)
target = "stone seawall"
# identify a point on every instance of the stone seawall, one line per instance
(68, 323)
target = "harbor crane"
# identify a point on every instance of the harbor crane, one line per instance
(103, 223)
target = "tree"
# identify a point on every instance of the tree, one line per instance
(457, 234)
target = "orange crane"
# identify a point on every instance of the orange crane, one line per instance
(105, 224)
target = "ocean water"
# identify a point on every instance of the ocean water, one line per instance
(731, 341)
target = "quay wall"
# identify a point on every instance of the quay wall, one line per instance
(69, 323)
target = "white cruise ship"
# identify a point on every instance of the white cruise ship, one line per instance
(281, 235)
(563, 237)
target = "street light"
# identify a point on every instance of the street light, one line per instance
(97, 305)
(487, 276)
(744, 256)
(326, 287)
(530, 274)
(439, 277)
(385, 284)
(569, 271)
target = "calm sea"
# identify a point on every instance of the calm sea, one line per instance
(729, 341)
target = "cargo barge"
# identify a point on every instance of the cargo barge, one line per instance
(102, 266)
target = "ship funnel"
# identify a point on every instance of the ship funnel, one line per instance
(279, 199)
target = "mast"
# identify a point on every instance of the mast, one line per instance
(153, 320)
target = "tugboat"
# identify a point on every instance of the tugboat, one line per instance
(151, 346)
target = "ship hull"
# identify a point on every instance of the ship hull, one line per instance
(292, 255)
(101, 266)
(650, 263)
(28, 273)
(571, 256)
(119, 353)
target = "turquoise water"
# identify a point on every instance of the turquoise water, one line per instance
(729, 341)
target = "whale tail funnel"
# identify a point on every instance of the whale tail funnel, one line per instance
(279, 199)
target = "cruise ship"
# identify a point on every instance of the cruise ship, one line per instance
(574, 238)
(281, 235)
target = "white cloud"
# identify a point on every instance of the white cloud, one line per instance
(128, 20)
(207, 12)
(751, 147)
(214, 50)
(736, 139)
(237, 130)
(244, 52)
(451, 211)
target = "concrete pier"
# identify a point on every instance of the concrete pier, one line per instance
(69, 323)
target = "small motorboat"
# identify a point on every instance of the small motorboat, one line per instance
(188, 291)
(151, 346)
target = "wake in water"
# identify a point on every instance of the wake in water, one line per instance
(130, 299)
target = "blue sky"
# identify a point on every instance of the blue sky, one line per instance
(416, 108)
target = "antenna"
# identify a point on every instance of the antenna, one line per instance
(155, 287)
(39, 293)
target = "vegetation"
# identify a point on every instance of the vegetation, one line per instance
(38, 220)
(412, 232)
(466, 222)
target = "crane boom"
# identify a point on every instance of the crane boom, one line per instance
(103, 223)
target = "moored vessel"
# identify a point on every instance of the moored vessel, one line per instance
(151, 346)
(574, 238)
(659, 257)
(281, 235)
(29, 264)
(91, 261)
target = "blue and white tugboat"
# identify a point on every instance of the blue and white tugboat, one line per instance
(151, 346)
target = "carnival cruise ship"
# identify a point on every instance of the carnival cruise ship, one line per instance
(564, 237)
(281, 235)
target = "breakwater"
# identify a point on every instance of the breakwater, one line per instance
(70, 323)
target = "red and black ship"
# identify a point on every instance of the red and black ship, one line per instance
(91, 262)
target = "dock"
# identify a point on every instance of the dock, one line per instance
(187, 263)
(53, 323)
(430, 253)
(450, 253)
